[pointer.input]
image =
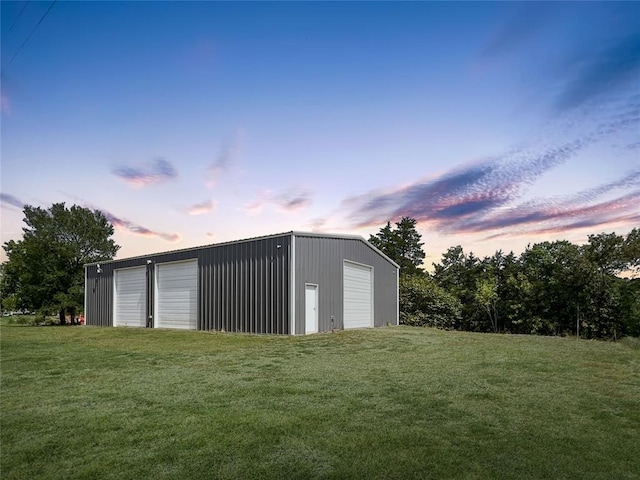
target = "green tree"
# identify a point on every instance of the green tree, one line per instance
(449, 273)
(9, 303)
(552, 288)
(608, 300)
(630, 306)
(560, 279)
(423, 303)
(44, 270)
(402, 245)
(385, 241)
(457, 274)
(487, 296)
(631, 251)
(607, 251)
(631, 286)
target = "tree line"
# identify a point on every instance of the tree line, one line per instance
(552, 288)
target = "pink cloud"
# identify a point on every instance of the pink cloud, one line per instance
(126, 225)
(201, 208)
(562, 216)
(288, 201)
(255, 207)
(158, 171)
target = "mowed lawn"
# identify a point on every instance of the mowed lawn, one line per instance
(398, 402)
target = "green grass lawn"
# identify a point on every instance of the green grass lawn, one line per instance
(400, 402)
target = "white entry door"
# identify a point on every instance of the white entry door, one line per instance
(310, 308)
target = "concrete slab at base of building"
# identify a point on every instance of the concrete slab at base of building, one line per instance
(290, 284)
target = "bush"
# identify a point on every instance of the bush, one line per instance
(28, 320)
(425, 304)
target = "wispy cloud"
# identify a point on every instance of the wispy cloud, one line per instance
(567, 212)
(522, 26)
(129, 226)
(480, 200)
(158, 171)
(561, 215)
(598, 69)
(117, 222)
(477, 188)
(223, 160)
(483, 196)
(201, 208)
(462, 192)
(289, 201)
(293, 200)
(8, 199)
(317, 224)
(254, 208)
(227, 154)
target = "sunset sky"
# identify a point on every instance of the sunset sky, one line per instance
(495, 125)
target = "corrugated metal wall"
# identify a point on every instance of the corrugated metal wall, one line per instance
(246, 286)
(242, 286)
(98, 298)
(319, 260)
(98, 291)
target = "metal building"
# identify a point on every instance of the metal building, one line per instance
(291, 283)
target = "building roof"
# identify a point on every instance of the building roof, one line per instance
(251, 239)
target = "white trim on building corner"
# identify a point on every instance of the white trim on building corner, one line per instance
(292, 287)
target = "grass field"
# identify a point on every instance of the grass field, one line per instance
(400, 402)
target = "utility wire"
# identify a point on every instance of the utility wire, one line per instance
(27, 39)
(18, 17)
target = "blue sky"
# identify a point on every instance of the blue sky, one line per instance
(495, 125)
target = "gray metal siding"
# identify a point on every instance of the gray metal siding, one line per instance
(249, 286)
(98, 291)
(319, 260)
(242, 286)
(98, 298)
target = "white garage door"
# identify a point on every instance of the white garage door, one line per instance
(176, 295)
(358, 296)
(131, 297)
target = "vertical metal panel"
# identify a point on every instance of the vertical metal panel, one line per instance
(319, 260)
(245, 286)
(151, 294)
(292, 290)
(98, 294)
